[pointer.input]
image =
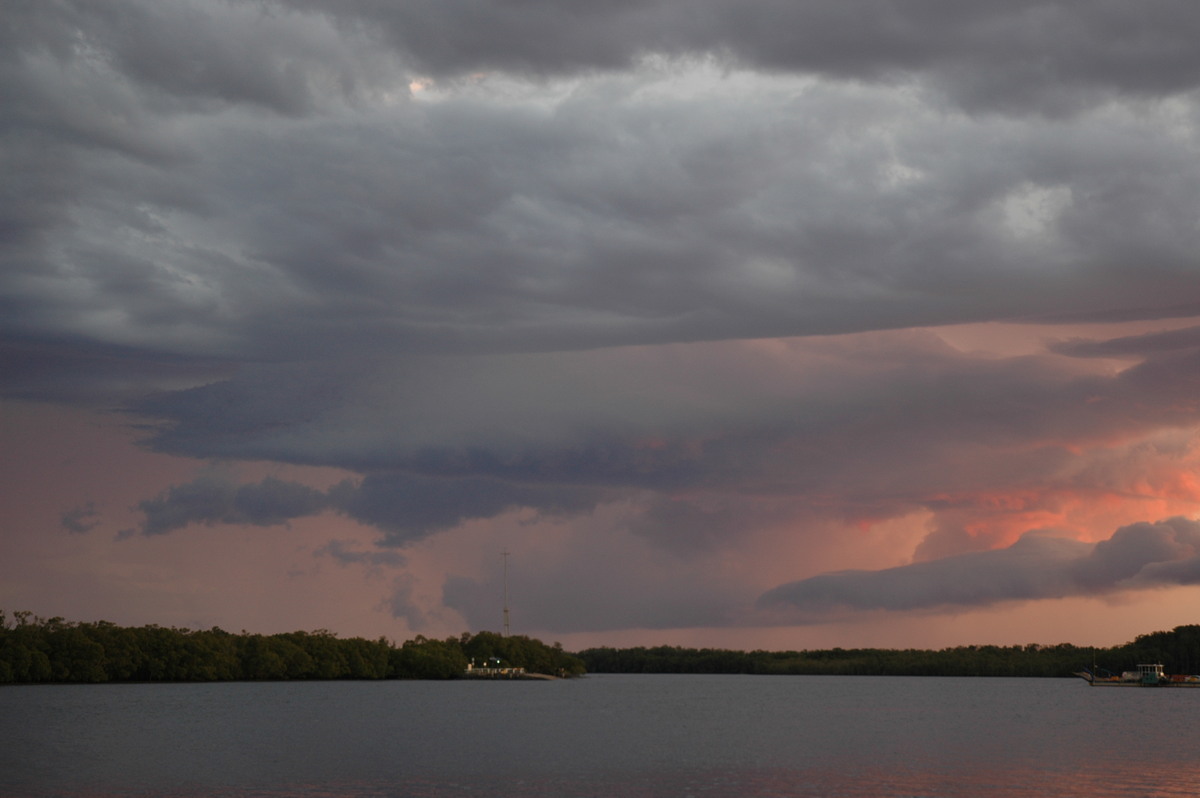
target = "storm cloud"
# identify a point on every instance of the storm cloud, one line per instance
(652, 202)
(675, 277)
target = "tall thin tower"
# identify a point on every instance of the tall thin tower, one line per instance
(504, 554)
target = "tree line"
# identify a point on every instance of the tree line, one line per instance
(1178, 650)
(36, 650)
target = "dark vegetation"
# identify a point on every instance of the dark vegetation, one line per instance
(37, 650)
(1177, 650)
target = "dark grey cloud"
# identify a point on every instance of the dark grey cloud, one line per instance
(216, 499)
(58, 371)
(255, 182)
(1137, 556)
(1035, 52)
(784, 420)
(404, 507)
(1051, 55)
(346, 554)
(81, 519)
(191, 53)
(1147, 344)
(408, 507)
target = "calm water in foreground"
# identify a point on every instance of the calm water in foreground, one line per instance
(604, 735)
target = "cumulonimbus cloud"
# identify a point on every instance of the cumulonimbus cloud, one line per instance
(1137, 556)
(499, 255)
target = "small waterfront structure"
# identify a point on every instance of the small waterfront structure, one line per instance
(492, 671)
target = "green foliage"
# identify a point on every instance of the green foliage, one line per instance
(36, 650)
(428, 659)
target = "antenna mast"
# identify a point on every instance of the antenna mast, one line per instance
(504, 554)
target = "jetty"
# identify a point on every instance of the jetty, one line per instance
(473, 672)
(496, 671)
(503, 673)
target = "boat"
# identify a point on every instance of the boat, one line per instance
(1147, 675)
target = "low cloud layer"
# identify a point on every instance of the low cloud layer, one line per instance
(79, 520)
(1138, 556)
(836, 425)
(347, 554)
(405, 508)
(214, 499)
(705, 447)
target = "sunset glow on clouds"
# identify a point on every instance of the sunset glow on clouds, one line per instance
(736, 324)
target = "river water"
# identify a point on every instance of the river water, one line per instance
(603, 735)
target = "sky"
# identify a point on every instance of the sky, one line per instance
(738, 324)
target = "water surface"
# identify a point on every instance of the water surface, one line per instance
(603, 735)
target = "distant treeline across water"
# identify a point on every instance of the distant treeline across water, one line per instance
(37, 650)
(1178, 650)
